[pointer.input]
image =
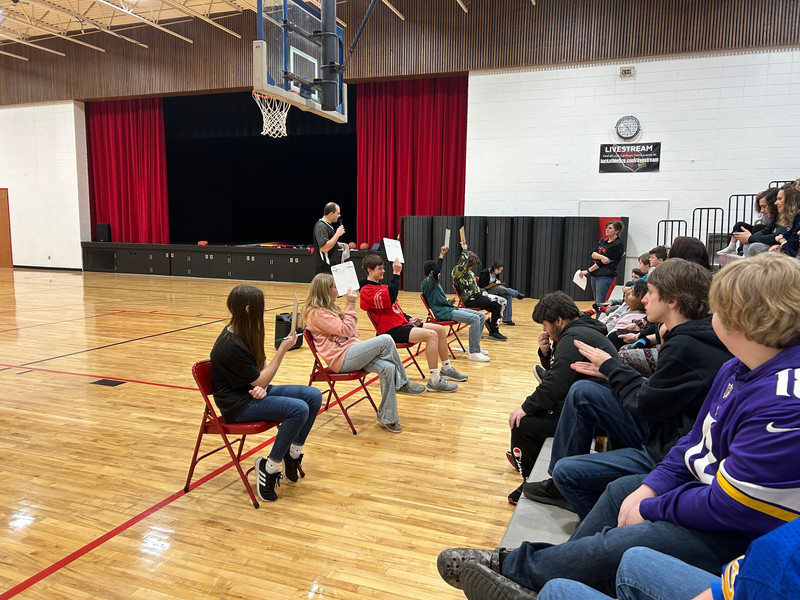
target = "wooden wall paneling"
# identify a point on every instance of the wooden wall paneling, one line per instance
(416, 250)
(546, 253)
(5, 231)
(437, 38)
(438, 225)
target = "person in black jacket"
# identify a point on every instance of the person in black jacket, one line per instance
(761, 241)
(606, 256)
(648, 415)
(533, 422)
(489, 280)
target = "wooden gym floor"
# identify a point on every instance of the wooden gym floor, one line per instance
(92, 502)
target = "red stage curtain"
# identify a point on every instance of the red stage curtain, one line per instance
(412, 146)
(128, 169)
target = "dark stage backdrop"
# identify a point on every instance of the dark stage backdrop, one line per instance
(228, 184)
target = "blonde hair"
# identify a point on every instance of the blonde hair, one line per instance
(760, 297)
(791, 202)
(319, 298)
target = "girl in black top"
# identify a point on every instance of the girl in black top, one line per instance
(606, 255)
(240, 379)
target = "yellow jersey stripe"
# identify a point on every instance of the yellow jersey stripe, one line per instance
(757, 505)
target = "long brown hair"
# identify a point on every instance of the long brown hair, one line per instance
(319, 297)
(791, 202)
(246, 304)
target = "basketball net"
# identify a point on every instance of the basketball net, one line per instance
(274, 112)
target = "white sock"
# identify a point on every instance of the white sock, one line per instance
(446, 364)
(273, 467)
(434, 376)
(295, 451)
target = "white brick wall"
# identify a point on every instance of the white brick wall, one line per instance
(43, 163)
(727, 125)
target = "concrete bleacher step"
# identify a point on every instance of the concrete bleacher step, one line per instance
(534, 522)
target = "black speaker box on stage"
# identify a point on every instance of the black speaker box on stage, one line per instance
(103, 232)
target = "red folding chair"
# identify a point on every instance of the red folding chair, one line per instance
(212, 423)
(400, 345)
(321, 373)
(453, 327)
(461, 303)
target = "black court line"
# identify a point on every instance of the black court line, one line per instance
(120, 343)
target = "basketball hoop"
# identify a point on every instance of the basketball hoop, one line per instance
(274, 112)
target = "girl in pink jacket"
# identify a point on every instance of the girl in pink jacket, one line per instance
(335, 334)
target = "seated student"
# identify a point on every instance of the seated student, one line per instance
(471, 294)
(380, 301)
(563, 324)
(788, 204)
(335, 334)
(443, 310)
(489, 280)
(762, 240)
(647, 415)
(769, 569)
(657, 256)
(241, 383)
(644, 264)
(632, 312)
(730, 480)
(642, 353)
(740, 227)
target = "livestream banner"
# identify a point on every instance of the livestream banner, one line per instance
(630, 158)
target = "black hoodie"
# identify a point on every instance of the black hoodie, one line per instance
(688, 361)
(552, 391)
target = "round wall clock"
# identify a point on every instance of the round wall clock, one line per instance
(628, 127)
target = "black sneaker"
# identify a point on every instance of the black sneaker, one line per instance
(545, 492)
(539, 372)
(266, 482)
(293, 466)
(509, 323)
(520, 296)
(496, 335)
(514, 496)
(481, 582)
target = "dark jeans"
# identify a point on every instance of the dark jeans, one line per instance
(296, 405)
(594, 551)
(531, 434)
(484, 303)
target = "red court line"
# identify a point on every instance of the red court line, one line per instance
(114, 312)
(166, 385)
(80, 552)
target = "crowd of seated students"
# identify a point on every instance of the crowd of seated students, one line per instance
(703, 461)
(776, 227)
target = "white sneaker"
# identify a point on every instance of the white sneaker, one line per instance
(478, 356)
(486, 352)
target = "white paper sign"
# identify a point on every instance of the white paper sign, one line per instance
(578, 280)
(447, 238)
(344, 276)
(393, 250)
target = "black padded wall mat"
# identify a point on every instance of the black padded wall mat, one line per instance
(439, 224)
(546, 253)
(416, 250)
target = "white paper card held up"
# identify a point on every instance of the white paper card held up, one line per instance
(393, 250)
(447, 238)
(578, 280)
(344, 276)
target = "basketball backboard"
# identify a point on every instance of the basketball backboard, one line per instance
(288, 58)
